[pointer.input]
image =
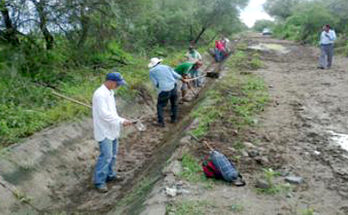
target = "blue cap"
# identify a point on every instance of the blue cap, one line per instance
(116, 76)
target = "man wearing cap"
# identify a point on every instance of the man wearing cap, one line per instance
(327, 39)
(193, 56)
(107, 125)
(164, 79)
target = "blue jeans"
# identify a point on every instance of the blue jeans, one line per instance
(106, 162)
(218, 55)
(162, 101)
(195, 74)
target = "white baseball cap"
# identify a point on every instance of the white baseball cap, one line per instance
(154, 61)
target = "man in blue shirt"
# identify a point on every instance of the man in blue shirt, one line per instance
(327, 39)
(164, 79)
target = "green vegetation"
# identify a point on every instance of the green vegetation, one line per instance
(303, 20)
(262, 24)
(274, 188)
(70, 45)
(308, 211)
(189, 208)
(22, 197)
(138, 193)
(192, 170)
(236, 99)
(237, 208)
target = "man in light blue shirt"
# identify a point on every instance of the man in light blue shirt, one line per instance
(327, 39)
(164, 79)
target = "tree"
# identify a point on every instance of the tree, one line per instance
(42, 11)
(10, 32)
(281, 9)
(211, 13)
(261, 24)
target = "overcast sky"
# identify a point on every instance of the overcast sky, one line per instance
(253, 12)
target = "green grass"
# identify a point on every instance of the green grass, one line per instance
(237, 208)
(22, 197)
(192, 170)
(136, 196)
(189, 208)
(246, 60)
(307, 211)
(269, 175)
(236, 100)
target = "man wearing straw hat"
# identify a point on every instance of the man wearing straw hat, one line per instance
(164, 79)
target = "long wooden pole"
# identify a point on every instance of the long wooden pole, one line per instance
(70, 99)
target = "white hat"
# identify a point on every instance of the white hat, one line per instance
(154, 61)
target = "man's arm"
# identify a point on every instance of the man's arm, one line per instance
(331, 35)
(199, 56)
(154, 80)
(175, 75)
(334, 37)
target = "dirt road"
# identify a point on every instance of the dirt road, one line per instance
(308, 104)
(299, 134)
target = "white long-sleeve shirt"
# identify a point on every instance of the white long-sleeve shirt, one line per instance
(327, 37)
(107, 122)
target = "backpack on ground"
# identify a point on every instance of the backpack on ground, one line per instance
(216, 165)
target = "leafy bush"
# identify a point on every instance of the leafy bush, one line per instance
(305, 23)
(261, 24)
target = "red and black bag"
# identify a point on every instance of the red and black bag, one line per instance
(209, 168)
(212, 171)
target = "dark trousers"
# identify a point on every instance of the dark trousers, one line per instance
(326, 56)
(162, 101)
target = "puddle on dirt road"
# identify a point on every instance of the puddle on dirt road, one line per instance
(270, 47)
(340, 139)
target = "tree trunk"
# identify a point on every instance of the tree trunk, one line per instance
(43, 24)
(10, 33)
(191, 33)
(200, 35)
(84, 25)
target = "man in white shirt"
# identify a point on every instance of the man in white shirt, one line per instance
(107, 126)
(327, 39)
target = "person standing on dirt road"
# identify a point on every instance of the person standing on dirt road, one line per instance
(107, 126)
(164, 79)
(327, 39)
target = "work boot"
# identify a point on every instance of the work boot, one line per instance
(102, 189)
(159, 124)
